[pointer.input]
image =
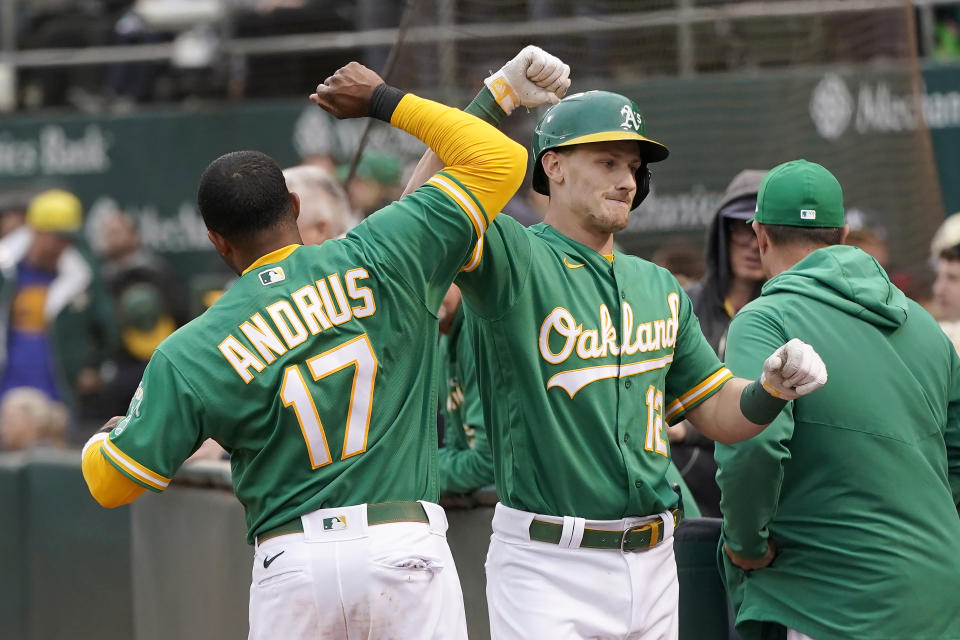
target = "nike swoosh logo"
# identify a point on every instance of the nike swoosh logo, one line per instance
(571, 265)
(268, 561)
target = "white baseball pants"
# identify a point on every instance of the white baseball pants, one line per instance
(343, 579)
(796, 635)
(542, 590)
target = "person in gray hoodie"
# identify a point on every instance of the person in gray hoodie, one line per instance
(733, 278)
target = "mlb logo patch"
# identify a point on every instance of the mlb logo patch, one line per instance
(335, 523)
(808, 214)
(272, 276)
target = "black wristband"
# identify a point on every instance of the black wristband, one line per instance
(384, 101)
(758, 406)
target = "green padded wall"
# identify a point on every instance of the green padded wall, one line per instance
(78, 555)
(703, 601)
(13, 596)
(469, 537)
(192, 562)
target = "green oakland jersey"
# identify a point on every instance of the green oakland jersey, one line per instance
(582, 360)
(315, 371)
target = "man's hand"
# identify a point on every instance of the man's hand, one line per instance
(750, 564)
(533, 78)
(346, 94)
(677, 432)
(793, 370)
(110, 424)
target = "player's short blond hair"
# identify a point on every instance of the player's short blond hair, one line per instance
(306, 179)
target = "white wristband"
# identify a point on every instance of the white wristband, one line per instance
(502, 92)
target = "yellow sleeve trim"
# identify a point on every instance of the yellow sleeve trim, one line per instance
(137, 471)
(273, 256)
(109, 487)
(469, 207)
(488, 163)
(688, 400)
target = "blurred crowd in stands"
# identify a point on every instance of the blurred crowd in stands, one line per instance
(195, 67)
(195, 57)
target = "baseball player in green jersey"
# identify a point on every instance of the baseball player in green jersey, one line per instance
(303, 372)
(840, 519)
(583, 355)
(465, 461)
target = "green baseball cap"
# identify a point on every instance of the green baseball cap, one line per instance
(799, 194)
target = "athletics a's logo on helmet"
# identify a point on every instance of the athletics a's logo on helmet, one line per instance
(631, 119)
(272, 276)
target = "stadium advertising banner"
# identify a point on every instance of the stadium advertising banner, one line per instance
(865, 124)
(149, 163)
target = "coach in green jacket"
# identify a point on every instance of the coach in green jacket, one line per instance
(840, 519)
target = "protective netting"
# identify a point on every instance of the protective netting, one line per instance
(727, 86)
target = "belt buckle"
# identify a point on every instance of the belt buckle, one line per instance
(639, 527)
(627, 532)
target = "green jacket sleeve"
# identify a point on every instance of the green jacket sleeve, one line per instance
(952, 435)
(750, 473)
(464, 469)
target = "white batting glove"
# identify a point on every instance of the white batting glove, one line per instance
(533, 78)
(793, 370)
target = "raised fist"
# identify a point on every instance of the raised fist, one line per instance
(532, 78)
(793, 370)
(346, 94)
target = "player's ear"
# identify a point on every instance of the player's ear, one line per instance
(763, 242)
(552, 166)
(221, 244)
(843, 235)
(295, 199)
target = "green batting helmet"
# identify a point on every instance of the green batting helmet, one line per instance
(594, 116)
